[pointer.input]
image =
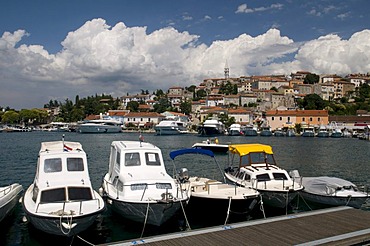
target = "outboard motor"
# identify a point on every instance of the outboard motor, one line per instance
(183, 175)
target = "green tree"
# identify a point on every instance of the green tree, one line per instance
(133, 106)
(312, 101)
(10, 117)
(185, 107)
(311, 79)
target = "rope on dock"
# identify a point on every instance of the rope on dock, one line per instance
(146, 218)
(228, 211)
(186, 219)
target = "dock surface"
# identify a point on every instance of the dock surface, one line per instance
(334, 226)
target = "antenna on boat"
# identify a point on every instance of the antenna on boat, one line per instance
(141, 139)
(63, 139)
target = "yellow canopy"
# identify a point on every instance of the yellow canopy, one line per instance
(245, 149)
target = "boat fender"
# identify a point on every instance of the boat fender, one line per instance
(68, 226)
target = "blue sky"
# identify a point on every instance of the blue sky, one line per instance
(53, 50)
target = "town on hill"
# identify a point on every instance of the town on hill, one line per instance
(301, 98)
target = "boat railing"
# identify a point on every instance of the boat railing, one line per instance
(286, 184)
(68, 207)
(5, 191)
(167, 195)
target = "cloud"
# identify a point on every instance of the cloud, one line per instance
(243, 8)
(99, 58)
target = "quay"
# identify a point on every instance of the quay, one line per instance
(332, 226)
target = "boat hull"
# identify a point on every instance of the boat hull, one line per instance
(351, 201)
(9, 197)
(61, 226)
(200, 208)
(168, 131)
(209, 131)
(278, 199)
(216, 148)
(235, 133)
(158, 212)
(265, 133)
(99, 129)
(250, 133)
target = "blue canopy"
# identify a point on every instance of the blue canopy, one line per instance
(175, 153)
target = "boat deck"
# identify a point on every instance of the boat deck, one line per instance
(334, 226)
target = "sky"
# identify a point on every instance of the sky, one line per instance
(55, 50)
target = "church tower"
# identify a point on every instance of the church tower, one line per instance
(227, 71)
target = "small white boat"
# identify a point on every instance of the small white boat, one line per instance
(235, 130)
(332, 191)
(137, 185)
(256, 168)
(100, 126)
(213, 145)
(206, 193)
(308, 131)
(9, 196)
(61, 200)
(211, 127)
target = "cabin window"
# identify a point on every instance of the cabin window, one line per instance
(117, 164)
(163, 186)
(75, 164)
(138, 186)
(241, 175)
(53, 165)
(263, 177)
(280, 176)
(132, 159)
(79, 193)
(54, 195)
(247, 177)
(152, 159)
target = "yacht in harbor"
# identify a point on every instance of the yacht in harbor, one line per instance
(211, 127)
(171, 127)
(100, 126)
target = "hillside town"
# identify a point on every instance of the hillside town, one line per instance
(271, 100)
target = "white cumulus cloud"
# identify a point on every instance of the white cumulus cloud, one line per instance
(99, 58)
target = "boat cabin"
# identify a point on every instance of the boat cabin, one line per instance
(135, 167)
(62, 173)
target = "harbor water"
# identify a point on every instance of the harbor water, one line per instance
(347, 158)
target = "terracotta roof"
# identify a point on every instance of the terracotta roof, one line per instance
(144, 114)
(298, 113)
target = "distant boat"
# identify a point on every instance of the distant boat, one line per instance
(308, 132)
(266, 131)
(211, 127)
(171, 127)
(279, 133)
(322, 132)
(336, 132)
(250, 131)
(235, 130)
(100, 126)
(290, 132)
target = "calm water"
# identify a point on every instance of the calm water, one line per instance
(344, 158)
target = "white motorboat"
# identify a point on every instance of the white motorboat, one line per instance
(256, 168)
(250, 131)
(206, 193)
(137, 185)
(100, 126)
(323, 132)
(61, 200)
(213, 145)
(332, 191)
(308, 131)
(211, 127)
(9, 196)
(235, 130)
(171, 127)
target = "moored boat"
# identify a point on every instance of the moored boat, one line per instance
(211, 127)
(9, 196)
(100, 126)
(322, 132)
(235, 130)
(250, 131)
(61, 200)
(253, 165)
(308, 131)
(137, 185)
(266, 131)
(170, 127)
(332, 191)
(213, 145)
(205, 193)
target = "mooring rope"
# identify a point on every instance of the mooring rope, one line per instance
(69, 222)
(85, 240)
(286, 203)
(146, 218)
(228, 211)
(186, 219)
(262, 208)
(304, 201)
(349, 199)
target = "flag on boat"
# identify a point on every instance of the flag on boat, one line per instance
(66, 148)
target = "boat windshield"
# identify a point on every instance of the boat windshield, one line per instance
(75, 164)
(52, 165)
(257, 158)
